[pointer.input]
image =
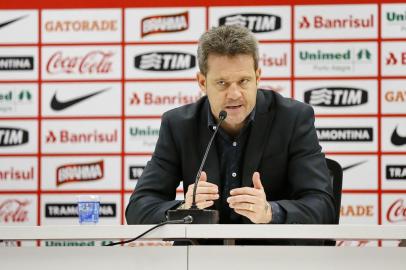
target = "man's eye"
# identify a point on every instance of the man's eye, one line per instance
(221, 83)
(244, 82)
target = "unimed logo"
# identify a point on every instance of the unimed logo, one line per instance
(147, 131)
(16, 63)
(395, 17)
(70, 210)
(256, 22)
(336, 96)
(344, 56)
(13, 136)
(135, 172)
(80, 172)
(345, 134)
(396, 172)
(164, 24)
(165, 61)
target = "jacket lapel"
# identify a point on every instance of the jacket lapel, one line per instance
(260, 130)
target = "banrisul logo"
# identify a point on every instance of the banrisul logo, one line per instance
(144, 131)
(336, 96)
(255, 22)
(345, 134)
(396, 172)
(165, 61)
(13, 136)
(345, 56)
(16, 63)
(164, 24)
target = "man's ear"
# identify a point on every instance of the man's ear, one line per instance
(201, 80)
(258, 74)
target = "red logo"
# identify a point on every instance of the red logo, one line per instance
(95, 62)
(95, 136)
(79, 172)
(269, 61)
(164, 24)
(396, 212)
(14, 211)
(393, 59)
(304, 23)
(151, 98)
(321, 22)
(135, 100)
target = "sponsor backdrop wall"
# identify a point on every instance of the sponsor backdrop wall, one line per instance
(83, 86)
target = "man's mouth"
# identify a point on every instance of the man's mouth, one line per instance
(233, 107)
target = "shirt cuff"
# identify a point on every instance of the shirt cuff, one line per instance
(278, 213)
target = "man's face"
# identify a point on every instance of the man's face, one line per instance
(231, 85)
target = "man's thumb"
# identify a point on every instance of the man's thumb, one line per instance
(256, 180)
(203, 177)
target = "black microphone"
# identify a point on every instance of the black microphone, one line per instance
(200, 216)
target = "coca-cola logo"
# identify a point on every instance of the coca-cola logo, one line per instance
(396, 212)
(94, 62)
(14, 211)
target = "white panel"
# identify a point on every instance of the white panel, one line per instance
(393, 58)
(141, 135)
(359, 171)
(18, 210)
(339, 96)
(19, 26)
(18, 100)
(18, 63)
(160, 61)
(81, 62)
(81, 99)
(394, 134)
(393, 22)
(81, 25)
(347, 134)
(336, 21)
(336, 59)
(393, 96)
(275, 60)
(85, 136)
(164, 24)
(155, 98)
(18, 173)
(359, 209)
(282, 87)
(18, 136)
(266, 22)
(81, 173)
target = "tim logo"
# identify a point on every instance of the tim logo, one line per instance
(135, 172)
(396, 172)
(255, 22)
(165, 61)
(344, 134)
(13, 136)
(164, 24)
(15, 63)
(336, 97)
(79, 172)
(70, 210)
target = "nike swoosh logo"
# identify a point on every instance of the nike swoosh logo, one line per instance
(354, 165)
(396, 139)
(57, 105)
(3, 24)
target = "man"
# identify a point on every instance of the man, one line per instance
(266, 164)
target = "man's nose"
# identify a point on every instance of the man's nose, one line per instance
(234, 91)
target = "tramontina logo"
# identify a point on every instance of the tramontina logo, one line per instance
(336, 96)
(10, 136)
(396, 172)
(70, 210)
(345, 134)
(255, 22)
(164, 24)
(135, 172)
(16, 63)
(165, 61)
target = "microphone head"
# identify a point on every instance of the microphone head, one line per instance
(222, 115)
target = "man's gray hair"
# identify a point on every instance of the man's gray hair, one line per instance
(227, 40)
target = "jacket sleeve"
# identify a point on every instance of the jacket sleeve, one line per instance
(311, 200)
(155, 191)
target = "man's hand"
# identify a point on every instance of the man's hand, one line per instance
(206, 193)
(251, 202)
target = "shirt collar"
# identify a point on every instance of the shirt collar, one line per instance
(211, 122)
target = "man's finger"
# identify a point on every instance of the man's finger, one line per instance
(205, 204)
(206, 197)
(256, 180)
(203, 177)
(242, 199)
(244, 191)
